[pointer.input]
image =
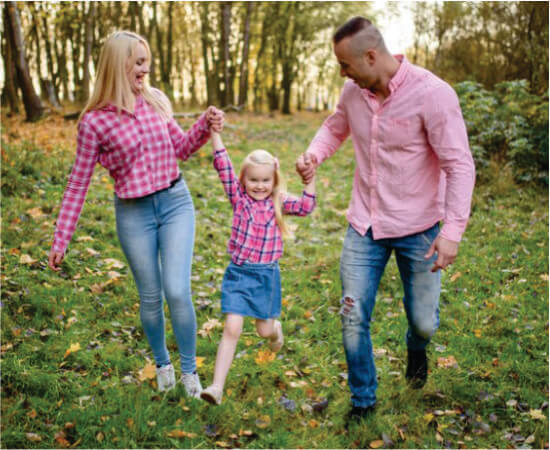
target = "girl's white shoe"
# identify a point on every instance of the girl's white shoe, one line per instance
(166, 378)
(212, 394)
(276, 344)
(192, 384)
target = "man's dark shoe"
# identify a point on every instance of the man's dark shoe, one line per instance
(357, 413)
(417, 368)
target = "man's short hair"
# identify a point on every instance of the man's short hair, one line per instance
(351, 27)
(370, 36)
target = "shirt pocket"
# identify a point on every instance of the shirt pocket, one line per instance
(398, 134)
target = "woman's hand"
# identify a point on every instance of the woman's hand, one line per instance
(55, 260)
(215, 118)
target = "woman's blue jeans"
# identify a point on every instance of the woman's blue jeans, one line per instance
(157, 234)
(361, 267)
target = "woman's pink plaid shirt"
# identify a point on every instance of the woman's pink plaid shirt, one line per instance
(255, 235)
(139, 150)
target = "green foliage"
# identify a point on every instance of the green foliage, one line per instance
(508, 123)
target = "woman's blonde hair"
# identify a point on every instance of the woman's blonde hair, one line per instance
(112, 86)
(263, 157)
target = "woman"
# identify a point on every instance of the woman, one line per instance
(128, 128)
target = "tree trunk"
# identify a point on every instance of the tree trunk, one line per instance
(33, 105)
(224, 52)
(160, 53)
(49, 60)
(9, 93)
(205, 40)
(258, 97)
(167, 69)
(90, 18)
(243, 78)
(76, 45)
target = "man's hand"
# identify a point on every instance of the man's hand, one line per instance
(215, 118)
(306, 165)
(55, 260)
(446, 253)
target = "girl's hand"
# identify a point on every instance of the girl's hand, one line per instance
(306, 166)
(55, 260)
(215, 118)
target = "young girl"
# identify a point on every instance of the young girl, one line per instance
(251, 284)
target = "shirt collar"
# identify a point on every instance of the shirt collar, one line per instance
(399, 76)
(138, 103)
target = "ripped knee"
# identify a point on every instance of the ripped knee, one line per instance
(350, 311)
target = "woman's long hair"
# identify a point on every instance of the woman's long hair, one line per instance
(112, 85)
(263, 157)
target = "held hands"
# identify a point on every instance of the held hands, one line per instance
(54, 260)
(215, 118)
(446, 253)
(306, 165)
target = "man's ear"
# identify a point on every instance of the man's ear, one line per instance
(371, 55)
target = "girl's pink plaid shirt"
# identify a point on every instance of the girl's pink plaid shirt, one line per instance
(255, 235)
(139, 150)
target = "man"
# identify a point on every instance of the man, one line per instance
(414, 168)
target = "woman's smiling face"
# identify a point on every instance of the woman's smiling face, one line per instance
(140, 68)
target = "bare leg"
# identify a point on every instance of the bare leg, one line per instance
(226, 349)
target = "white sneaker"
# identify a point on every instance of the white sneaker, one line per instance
(192, 384)
(276, 344)
(212, 394)
(166, 379)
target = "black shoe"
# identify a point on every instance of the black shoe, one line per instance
(417, 368)
(357, 413)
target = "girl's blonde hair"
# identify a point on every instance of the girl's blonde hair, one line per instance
(112, 85)
(263, 157)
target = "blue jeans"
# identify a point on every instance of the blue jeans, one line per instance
(361, 267)
(157, 234)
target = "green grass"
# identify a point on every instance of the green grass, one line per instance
(494, 320)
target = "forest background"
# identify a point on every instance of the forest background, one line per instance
(70, 367)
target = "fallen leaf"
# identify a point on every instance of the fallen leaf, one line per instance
(99, 437)
(200, 361)
(96, 288)
(428, 417)
(149, 372)
(537, 414)
(60, 438)
(73, 348)
(35, 213)
(113, 263)
(208, 326)
(376, 444)
(223, 444)
(181, 434)
(313, 423)
(455, 276)
(32, 414)
(263, 421)
(264, 357)
(26, 259)
(92, 252)
(447, 362)
(33, 437)
(477, 333)
(130, 422)
(84, 239)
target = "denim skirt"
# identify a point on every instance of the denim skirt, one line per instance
(252, 290)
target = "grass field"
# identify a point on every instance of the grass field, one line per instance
(76, 367)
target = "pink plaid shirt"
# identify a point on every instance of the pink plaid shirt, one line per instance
(139, 150)
(255, 235)
(413, 162)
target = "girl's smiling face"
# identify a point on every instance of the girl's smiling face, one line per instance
(259, 180)
(137, 72)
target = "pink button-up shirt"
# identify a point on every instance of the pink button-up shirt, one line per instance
(413, 162)
(255, 235)
(139, 150)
